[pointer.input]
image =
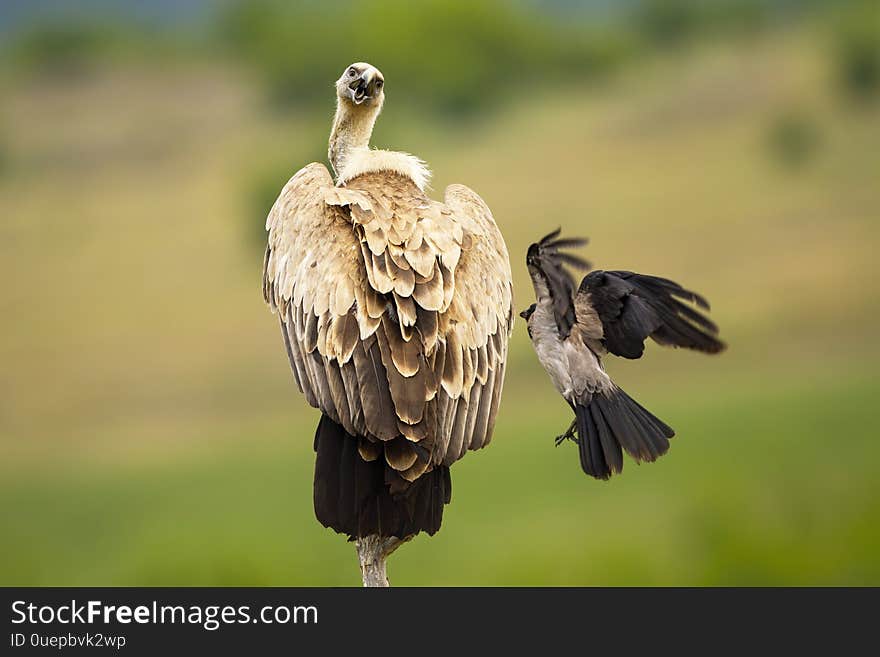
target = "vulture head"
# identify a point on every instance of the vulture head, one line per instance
(360, 93)
(361, 85)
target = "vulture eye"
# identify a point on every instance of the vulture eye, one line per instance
(352, 72)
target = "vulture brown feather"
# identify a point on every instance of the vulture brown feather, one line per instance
(396, 312)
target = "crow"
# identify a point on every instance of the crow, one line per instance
(610, 312)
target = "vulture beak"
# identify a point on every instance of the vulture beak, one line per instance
(363, 88)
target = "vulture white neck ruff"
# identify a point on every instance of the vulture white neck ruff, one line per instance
(366, 160)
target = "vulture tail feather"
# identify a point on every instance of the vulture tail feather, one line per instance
(353, 496)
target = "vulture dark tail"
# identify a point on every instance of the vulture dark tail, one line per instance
(611, 422)
(352, 496)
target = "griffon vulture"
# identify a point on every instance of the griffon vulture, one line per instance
(611, 312)
(395, 312)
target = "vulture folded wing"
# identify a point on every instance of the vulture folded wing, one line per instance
(395, 311)
(632, 307)
(474, 331)
(443, 274)
(314, 278)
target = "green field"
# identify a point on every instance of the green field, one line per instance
(761, 489)
(151, 433)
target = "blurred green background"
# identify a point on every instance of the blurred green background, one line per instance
(150, 430)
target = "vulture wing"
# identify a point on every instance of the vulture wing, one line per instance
(395, 311)
(633, 307)
(475, 330)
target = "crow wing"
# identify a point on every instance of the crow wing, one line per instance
(546, 261)
(632, 307)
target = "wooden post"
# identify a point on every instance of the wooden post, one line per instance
(372, 552)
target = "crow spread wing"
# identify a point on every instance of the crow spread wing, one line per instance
(633, 307)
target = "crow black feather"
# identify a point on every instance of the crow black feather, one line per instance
(633, 307)
(550, 263)
(612, 420)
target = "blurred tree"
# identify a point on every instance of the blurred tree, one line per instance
(63, 47)
(672, 23)
(744, 17)
(668, 22)
(262, 190)
(793, 138)
(263, 184)
(857, 51)
(447, 56)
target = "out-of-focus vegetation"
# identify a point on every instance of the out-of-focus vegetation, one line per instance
(76, 46)
(668, 23)
(3, 154)
(857, 40)
(447, 55)
(150, 430)
(63, 47)
(793, 138)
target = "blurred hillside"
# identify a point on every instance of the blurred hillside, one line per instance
(151, 433)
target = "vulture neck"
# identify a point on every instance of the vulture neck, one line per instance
(352, 128)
